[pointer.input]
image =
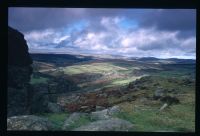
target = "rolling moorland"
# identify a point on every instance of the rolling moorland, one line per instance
(150, 94)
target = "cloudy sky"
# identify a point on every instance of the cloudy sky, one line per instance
(162, 33)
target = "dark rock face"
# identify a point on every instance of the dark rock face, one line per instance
(19, 72)
(17, 49)
(19, 61)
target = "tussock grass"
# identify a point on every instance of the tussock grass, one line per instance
(56, 118)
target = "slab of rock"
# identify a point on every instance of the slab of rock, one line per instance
(72, 119)
(100, 115)
(105, 114)
(29, 122)
(107, 125)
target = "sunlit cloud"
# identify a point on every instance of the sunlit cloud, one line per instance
(128, 32)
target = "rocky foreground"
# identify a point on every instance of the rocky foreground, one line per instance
(100, 107)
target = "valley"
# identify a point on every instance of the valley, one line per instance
(137, 87)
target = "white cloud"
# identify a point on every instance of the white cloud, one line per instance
(60, 39)
(116, 40)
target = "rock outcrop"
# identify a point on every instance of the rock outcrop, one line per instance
(29, 122)
(19, 72)
(19, 61)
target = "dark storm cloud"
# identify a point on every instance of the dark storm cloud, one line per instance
(172, 20)
(27, 19)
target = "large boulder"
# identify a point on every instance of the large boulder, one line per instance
(29, 122)
(19, 72)
(19, 61)
(107, 125)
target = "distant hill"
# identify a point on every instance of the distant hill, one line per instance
(59, 59)
(147, 59)
(68, 59)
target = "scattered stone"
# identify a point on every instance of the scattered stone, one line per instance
(86, 109)
(172, 80)
(99, 108)
(163, 107)
(29, 122)
(103, 95)
(107, 125)
(187, 81)
(173, 91)
(143, 100)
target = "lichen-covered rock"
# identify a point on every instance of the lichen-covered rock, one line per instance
(29, 122)
(107, 125)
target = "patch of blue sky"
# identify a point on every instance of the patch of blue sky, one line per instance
(78, 26)
(128, 24)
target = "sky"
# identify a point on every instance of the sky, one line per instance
(161, 33)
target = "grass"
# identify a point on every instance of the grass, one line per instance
(56, 118)
(37, 80)
(83, 120)
(123, 81)
(92, 68)
(179, 118)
